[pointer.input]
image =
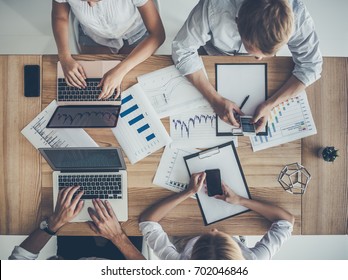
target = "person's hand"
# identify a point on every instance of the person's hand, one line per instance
(196, 182)
(227, 110)
(105, 222)
(261, 115)
(111, 82)
(228, 195)
(73, 72)
(67, 208)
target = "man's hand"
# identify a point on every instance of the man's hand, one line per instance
(67, 208)
(73, 72)
(196, 182)
(226, 110)
(228, 195)
(105, 222)
(261, 115)
(111, 82)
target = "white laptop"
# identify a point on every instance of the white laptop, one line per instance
(100, 172)
(94, 71)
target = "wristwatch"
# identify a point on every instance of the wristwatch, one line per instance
(44, 227)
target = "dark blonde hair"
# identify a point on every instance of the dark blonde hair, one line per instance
(218, 246)
(265, 24)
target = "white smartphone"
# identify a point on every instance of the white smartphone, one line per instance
(248, 128)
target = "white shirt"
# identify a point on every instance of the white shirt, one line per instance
(157, 239)
(212, 24)
(109, 22)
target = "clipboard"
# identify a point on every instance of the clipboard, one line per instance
(225, 158)
(235, 81)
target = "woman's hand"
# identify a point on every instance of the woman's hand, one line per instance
(226, 110)
(196, 182)
(67, 208)
(73, 72)
(228, 195)
(263, 111)
(105, 222)
(111, 83)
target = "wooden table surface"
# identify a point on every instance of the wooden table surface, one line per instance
(26, 184)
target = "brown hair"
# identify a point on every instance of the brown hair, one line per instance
(218, 246)
(265, 24)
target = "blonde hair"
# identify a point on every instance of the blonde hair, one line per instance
(265, 24)
(217, 246)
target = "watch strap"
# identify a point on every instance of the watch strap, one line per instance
(50, 232)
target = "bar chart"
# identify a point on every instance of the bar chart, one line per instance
(289, 121)
(139, 130)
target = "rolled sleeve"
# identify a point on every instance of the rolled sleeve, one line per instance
(194, 34)
(272, 241)
(304, 46)
(20, 253)
(139, 3)
(157, 239)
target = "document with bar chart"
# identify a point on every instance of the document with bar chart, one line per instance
(41, 137)
(289, 121)
(139, 130)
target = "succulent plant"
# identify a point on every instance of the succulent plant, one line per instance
(329, 154)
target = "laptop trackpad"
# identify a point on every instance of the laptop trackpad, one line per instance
(83, 216)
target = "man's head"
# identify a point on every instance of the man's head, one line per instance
(265, 25)
(216, 245)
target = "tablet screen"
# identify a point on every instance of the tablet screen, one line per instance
(85, 116)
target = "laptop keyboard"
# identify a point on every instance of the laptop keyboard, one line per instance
(94, 186)
(90, 93)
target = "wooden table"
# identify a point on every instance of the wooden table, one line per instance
(26, 184)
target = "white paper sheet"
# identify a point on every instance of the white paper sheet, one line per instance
(41, 137)
(139, 130)
(289, 121)
(169, 92)
(172, 172)
(196, 129)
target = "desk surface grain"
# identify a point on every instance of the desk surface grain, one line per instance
(261, 169)
(26, 187)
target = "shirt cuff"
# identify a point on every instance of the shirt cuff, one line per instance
(20, 253)
(139, 3)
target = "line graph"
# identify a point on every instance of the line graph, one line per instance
(169, 92)
(196, 129)
(42, 137)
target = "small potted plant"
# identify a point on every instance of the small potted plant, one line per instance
(328, 154)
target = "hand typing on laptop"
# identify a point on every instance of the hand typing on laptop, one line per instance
(74, 73)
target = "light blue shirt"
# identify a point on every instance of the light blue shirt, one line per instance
(212, 24)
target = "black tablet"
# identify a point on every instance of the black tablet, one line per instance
(85, 116)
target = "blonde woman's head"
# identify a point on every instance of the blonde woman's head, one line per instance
(216, 245)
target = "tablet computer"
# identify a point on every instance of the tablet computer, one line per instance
(85, 116)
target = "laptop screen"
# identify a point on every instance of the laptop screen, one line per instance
(84, 159)
(85, 116)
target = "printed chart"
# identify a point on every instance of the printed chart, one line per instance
(139, 130)
(42, 137)
(289, 121)
(196, 129)
(171, 172)
(169, 92)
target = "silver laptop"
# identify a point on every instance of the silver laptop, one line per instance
(100, 173)
(94, 71)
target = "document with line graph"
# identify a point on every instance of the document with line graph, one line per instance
(289, 121)
(41, 137)
(169, 92)
(139, 130)
(196, 129)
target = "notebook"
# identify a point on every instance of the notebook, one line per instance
(100, 172)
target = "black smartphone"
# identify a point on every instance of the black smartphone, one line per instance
(31, 80)
(213, 180)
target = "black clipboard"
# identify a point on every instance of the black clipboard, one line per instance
(235, 81)
(225, 158)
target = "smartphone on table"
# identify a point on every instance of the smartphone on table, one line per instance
(213, 180)
(31, 80)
